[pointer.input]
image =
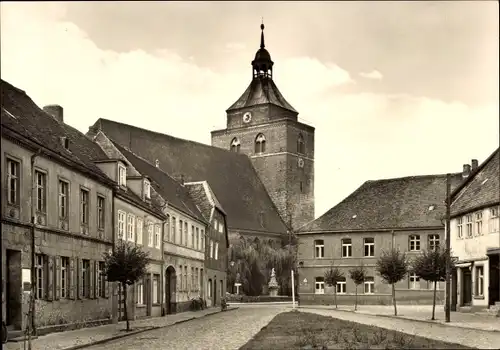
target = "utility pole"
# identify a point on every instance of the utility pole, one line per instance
(448, 250)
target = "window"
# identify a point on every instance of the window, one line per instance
(147, 189)
(186, 288)
(140, 225)
(216, 225)
(166, 235)
(157, 236)
(85, 278)
(140, 293)
(369, 285)
(180, 232)
(40, 276)
(100, 212)
(414, 241)
(41, 193)
(186, 233)
(63, 199)
(209, 288)
(180, 278)
(130, 228)
(64, 282)
(433, 242)
(479, 223)
(494, 223)
(300, 145)
(216, 254)
(13, 181)
(235, 145)
(342, 286)
(479, 281)
(211, 249)
(193, 242)
(203, 240)
(84, 207)
(319, 285)
(150, 234)
(346, 248)
(193, 281)
(121, 224)
(369, 247)
(468, 219)
(101, 280)
(260, 143)
(156, 289)
(172, 230)
(414, 281)
(197, 238)
(122, 175)
(221, 227)
(460, 231)
(319, 249)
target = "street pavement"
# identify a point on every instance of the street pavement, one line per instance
(476, 338)
(225, 330)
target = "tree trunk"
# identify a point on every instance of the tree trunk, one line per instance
(434, 302)
(394, 300)
(125, 293)
(356, 299)
(335, 296)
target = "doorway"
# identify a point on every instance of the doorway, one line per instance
(494, 276)
(466, 286)
(170, 285)
(215, 290)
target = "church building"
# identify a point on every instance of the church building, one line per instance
(261, 167)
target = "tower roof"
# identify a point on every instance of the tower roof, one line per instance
(262, 89)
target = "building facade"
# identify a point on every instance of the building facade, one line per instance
(404, 213)
(183, 240)
(217, 241)
(47, 176)
(475, 238)
(265, 127)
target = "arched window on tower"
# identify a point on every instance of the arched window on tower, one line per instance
(260, 143)
(235, 145)
(301, 149)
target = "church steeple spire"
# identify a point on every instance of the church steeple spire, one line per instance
(262, 65)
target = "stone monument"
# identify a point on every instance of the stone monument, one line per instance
(273, 284)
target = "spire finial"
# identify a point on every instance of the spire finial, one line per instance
(262, 34)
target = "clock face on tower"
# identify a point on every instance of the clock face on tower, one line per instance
(247, 117)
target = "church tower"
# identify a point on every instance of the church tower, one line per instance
(264, 126)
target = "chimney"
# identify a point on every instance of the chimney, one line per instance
(157, 163)
(474, 164)
(55, 111)
(466, 171)
(182, 180)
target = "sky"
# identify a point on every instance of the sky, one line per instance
(393, 88)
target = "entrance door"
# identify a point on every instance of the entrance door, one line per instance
(170, 285)
(454, 290)
(12, 288)
(466, 287)
(494, 276)
(215, 291)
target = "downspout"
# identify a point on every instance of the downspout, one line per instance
(114, 291)
(33, 270)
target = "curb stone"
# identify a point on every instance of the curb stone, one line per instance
(151, 328)
(436, 322)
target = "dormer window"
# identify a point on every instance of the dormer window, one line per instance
(122, 175)
(65, 142)
(147, 189)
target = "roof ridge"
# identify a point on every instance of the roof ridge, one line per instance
(172, 137)
(411, 177)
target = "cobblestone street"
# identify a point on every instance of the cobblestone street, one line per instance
(226, 330)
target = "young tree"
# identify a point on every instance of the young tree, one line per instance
(332, 277)
(126, 265)
(357, 274)
(431, 267)
(392, 266)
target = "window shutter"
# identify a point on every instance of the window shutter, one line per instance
(96, 279)
(79, 277)
(50, 278)
(57, 275)
(106, 286)
(72, 279)
(90, 277)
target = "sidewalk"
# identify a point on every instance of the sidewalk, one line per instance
(82, 338)
(422, 313)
